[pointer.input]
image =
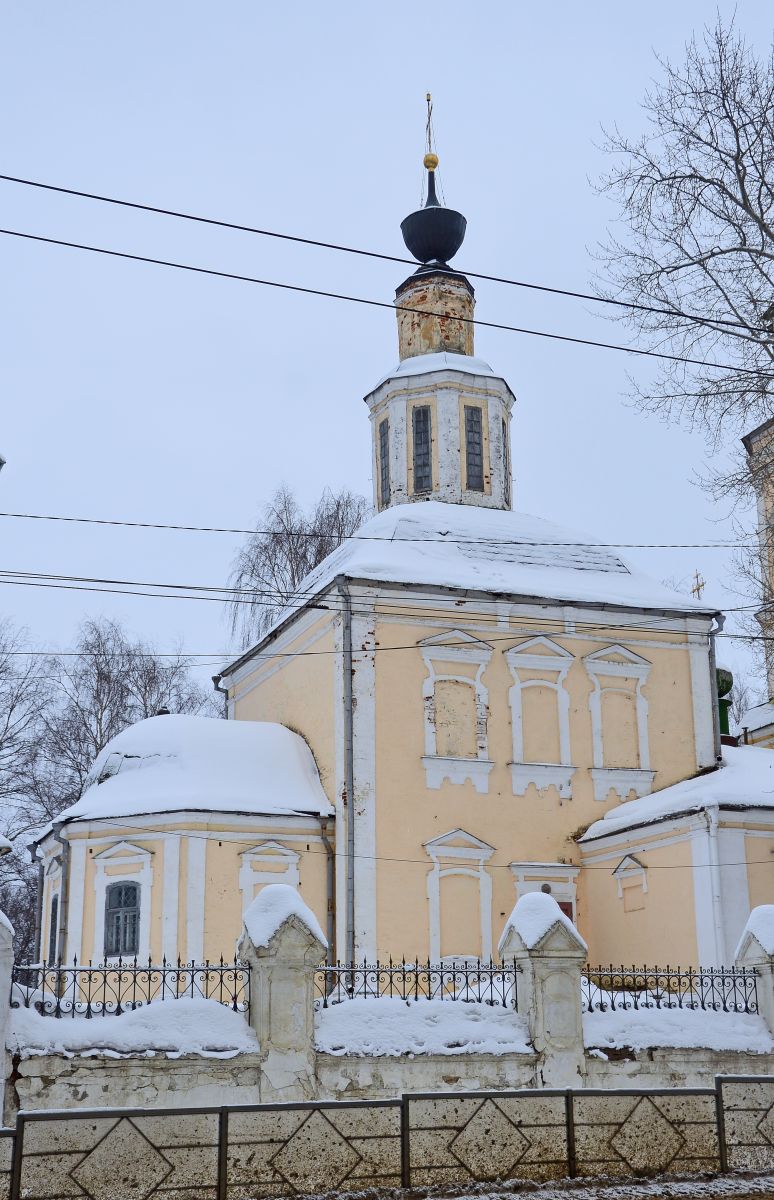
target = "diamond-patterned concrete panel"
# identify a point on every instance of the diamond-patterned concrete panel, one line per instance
(489, 1146)
(647, 1141)
(124, 1164)
(316, 1158)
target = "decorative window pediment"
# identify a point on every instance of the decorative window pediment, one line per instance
(123, 852)
(617, 660)
(630, 871)
(457, 843)
(455, 645)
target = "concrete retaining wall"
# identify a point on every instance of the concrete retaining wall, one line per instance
(425, 1139)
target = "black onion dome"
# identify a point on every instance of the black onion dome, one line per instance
(433, 233)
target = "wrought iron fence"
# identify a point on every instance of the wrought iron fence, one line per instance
(114, 987)
(719, 989)
(463, 979)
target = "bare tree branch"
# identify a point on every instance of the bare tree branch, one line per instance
(696, 196)
(270, 566)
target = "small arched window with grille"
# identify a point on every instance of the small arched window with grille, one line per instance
(122, 920)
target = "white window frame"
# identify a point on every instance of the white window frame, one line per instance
(255, 869)
(470, 859)
(136, 867)
(622, 780)
(531, 876)
(555, 664)
(630, 869)
(466, 649)
(53, 890)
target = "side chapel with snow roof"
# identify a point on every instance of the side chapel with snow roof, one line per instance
(482, 704)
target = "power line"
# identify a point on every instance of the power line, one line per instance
(230, 595)
(309, 291)
(423, 862)
(358, 537)
(289, 237)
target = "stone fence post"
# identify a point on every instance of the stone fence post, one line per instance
(282, 942)
(551, 953)
(756, 949)
(6, 972)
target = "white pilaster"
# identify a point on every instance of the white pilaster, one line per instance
(195, 884)
(76, 887)
(170, 897)
(364, 747)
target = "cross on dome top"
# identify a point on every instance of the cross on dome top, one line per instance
(433, 234)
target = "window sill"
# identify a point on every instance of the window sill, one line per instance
(621, 780)
(544, 776)
(457, 770)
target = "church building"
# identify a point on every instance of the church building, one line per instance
(462, 704)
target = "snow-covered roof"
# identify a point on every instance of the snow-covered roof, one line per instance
(424, 364)
(758, 717)
(201, 764)
(745, 779)
(491, 550)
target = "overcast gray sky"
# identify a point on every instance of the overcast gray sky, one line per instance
(136, 392)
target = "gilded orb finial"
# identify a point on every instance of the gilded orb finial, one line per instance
(431, 161)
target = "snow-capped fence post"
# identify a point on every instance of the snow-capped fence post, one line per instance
(550, 954)
(6, 974)
(282, 943)
(756, 950)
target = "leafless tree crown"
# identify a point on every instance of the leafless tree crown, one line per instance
(289, 543)
(696, 196)
(56, 715)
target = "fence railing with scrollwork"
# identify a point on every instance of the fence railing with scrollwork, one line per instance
(115, 987)
(717, 989)
(464, 979)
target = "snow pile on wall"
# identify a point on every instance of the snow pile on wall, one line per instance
(745, 779)
(171, 1027)
(760, 924)
(273, 905)
(534, 914)
(388, 1026)
(677, 1028)
(183, 763)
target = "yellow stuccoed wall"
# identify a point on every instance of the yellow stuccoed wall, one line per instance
(664, 929)
(759, 854)
(535, 827)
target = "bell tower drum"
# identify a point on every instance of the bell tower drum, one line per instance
(441, 419)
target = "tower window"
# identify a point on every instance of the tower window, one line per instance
(53, 929)
(474, 449)
(122, 919)
(423, 469)
(506, 464)
(384, 461)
